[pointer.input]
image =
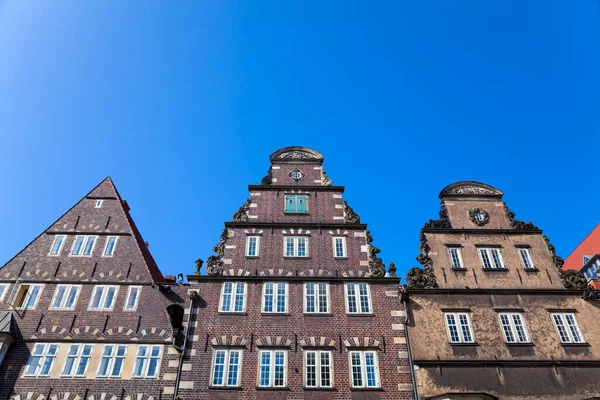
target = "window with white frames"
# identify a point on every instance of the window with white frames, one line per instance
(364, 369)
(133, 298)
(99, 203)
(275, 297)
(57, 245)
(233, 297)
(459, 328)
(65, 297)
(109, 247)
(41, 359)
(316, 297)
(252, 245)
(3, 290)
(358, 298)
(83, 245)
(272, 371)
(455, 257)
(295, 204)
(78, 358)
(339, 246)
(295, 246)
(112, 360)
(27, 296)
(526, 258)
(491, 258)
(147, 361)
(226, 367)
(567, 328)
(513, 326)
(103, 298)
(317, 368)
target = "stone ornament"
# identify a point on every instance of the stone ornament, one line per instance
(571, 279)
(268, 179)
(376, 266)
(199, 263)
(242, 214)
(392, 268)
(350, 216)
(515, 223)
(478, 216)
(470, 188)
(422, 278)
(297, 154)
(214, 265)
(297, 175)
(325, 181)
(443, 222)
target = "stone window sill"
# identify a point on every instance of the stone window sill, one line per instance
(531, 269)
(358, 389)
(295, 213)
(495, 269)
(464, 344)
(306, 314)
(295, 258)
(225, 388)
(231, 313)
(459, 269)
(272, 388)
(274, 314)
(340, 258)
(575, 344)
(359, 315)
(252, 257)
(327, 389)
(528, 344)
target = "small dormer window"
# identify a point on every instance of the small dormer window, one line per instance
(586, 259)
(99, 203)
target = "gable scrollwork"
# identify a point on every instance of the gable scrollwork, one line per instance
(376, 266)
(242, 214)
(267, 179)
(297, 154)
(215, 264)
(350, 216)
(443, 222)
(422, 278)
(571, 279)
(325, 180)
(515, 223)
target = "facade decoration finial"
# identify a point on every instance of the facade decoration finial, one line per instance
(443, 222)
(268, 179)
(325, 180)
(214, 265)
(350, 216)
(515, 223)
(571, 279)
(199, 263)
(297, 154)
(376, 267)
(422, 278)
(242, 214)
(392, 269)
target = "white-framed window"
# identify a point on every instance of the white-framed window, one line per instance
(364, 369)
(295, 246)
(78, 358)
(109, 247)
(41, 359)
(316, 297)
(133, 298)
(567, 328)
(233, 297)
(252, 246)
(272, 370)
(275, 297)
(296, 204)
(226, 367)
(491, 258)
(339, 246)
(65, 297)
(147, 361)
(28, 295)
(513, 327)
(83, 245)
(455, 257)
(113, 358)
(103, 298)
(318, 368)
(358, 298)
(526, 258)
(98, 203)
(3, 290)
(459, 328)
(57, 245)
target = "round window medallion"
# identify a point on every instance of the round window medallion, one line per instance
(479, 216)
(296, 175)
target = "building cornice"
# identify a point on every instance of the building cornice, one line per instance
(449, 291)
(293, 278)
(325, 225)
(471, 231)
(88, 233)
(509, 363)
(297, 187)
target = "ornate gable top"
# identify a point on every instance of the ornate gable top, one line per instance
(295, 154)
(470, 189)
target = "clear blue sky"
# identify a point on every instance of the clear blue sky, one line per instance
(181, 103)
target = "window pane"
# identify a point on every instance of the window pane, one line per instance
(279, 373)
(219, 367)
(289, 247)
(506, 328)
(301, 247)
(265, 368)
(268, 297)
(227, 290)
(252, 246)
(110, 246)
(455, 258)
(89, 245)
(325, 369)
(239, 296)
(234, 364)
(71, 297)
(561, 328)
(464, 325)
(573, 328)
(138, 369)
(497, 258)
(371, 373)
(520, 328)
(356, 369)
(364, 298)
(33, 294)
(290, 204)
(152, 367)
(351, 294)
(322, 297)
(281, 303)
(110, 296)
(310, 298)
(452, 328)
(58, 241)
(485, 258)
(311, 369)
(77, 246)
(133, 295)
(98, 291)
(58, 297)
(301, 204)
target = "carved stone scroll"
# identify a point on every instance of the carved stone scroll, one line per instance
(214, 265)
(443, 222)
(422, 278)
(571, 279)
(268, 179)
(515, 223)
(350, 216)
(376, 266)
(242, 214)
(325, 181)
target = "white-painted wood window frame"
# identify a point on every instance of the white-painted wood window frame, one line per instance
(567, 327)
(364, 369)
(292, 244)
(339, 247)
(147, 361)
(77, 360)
(272, 368)
(316, 298)
(3, 290)
(98, 302)
(131, 304)
(274, 299)
(226, 367)
(65, 297)
(57, 245)
(456, 261)
(491, 258)
(513, 327)
(41, 359)
(27, 296)
(458, 326)
(112, 360)
(233, 297)
(358, 298)
(98, 203)
(255, 247)
(109, 251)
(81, 245)
(318, 368)
(525, 256)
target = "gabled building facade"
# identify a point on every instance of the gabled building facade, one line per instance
(492, 315)
(296, 304)
(83, 310)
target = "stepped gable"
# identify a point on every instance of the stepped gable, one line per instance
(84, 218)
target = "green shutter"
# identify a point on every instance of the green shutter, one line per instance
(301, 204)
(290, 204)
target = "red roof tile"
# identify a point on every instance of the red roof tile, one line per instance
(589, 246)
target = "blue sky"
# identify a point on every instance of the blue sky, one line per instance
(181, 103)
